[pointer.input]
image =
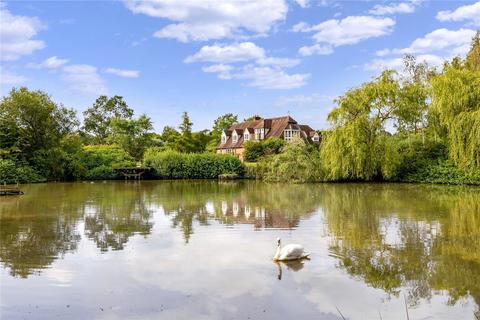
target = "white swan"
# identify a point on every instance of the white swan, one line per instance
(289, 252)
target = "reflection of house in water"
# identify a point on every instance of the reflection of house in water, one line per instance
(224, 207)
(261, 217)
(235, 208)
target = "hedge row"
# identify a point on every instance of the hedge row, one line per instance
(175, 165)
(11, 172)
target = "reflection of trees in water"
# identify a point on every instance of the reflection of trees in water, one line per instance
(263, 206)
(390, 236)
(421, 238)
(117, 212)
(37, 228)
(112, 227)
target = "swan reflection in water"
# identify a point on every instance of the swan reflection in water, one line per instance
(294, 265)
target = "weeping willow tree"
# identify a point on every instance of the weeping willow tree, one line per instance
(359, 146)
(456, 104)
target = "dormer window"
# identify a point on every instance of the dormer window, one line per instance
(289, 134)
(316, 138)
(246, 135)
(259, 134)
(224, 138)
(234, 137)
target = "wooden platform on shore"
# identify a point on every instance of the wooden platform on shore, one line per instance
(7, 191)
(132, 172)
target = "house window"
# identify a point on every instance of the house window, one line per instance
(246, 136)
(224, 138)
(235, 137)
(316, 138)
(289, 134)
(259, 134)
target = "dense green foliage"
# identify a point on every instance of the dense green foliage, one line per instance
(176, 165)
(220, 124)
(421, 125)
(251, 170)
(359, 146)
(99, 116)
(133, 135)
(99, 161)
(11, 172)
(298, 162)
(32, 128)
(254, 150)
(456, 104)
(188, 141)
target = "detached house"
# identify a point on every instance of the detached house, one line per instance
(259, 129)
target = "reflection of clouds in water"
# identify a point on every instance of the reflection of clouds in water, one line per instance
(217, 271)
(62, 277)
(228, 273)
(212, 278)
(358, 301)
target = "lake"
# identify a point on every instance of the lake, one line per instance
(203, 250)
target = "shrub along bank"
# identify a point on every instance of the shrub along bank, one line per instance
(10, 173)
(176, 165)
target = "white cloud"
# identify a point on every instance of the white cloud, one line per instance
(401, 7)
(263, 77)
(211, 19)
(228, 53)
(315, 49)
(433, 48)
(397, 62)
(50, 63)
(17, 33)
(271, 78)
(223, 70)
(301, 100)
(123, 73)
(84, 79)
(467, 12)
(218, 68)
(239, 52)
(278, 62)
(441, 40)
(10, 78)
(265, 72)
(348, 31)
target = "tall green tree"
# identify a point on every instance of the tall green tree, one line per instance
(185, 142)
(221, 123)
(31, 121)
(456, 104)
(355, 147)
(97, 118)
(201, 140)
(32, 127)
(169, 137)
(473, 57)
(133, 135)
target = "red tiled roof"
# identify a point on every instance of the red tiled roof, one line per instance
(274, 128)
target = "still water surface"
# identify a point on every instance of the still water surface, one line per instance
(202, 250)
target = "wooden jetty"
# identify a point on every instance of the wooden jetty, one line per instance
(135, 173)
(10, 190)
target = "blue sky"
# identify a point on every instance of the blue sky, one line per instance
(210, 57)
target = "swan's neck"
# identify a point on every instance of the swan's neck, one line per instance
(277, 253)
